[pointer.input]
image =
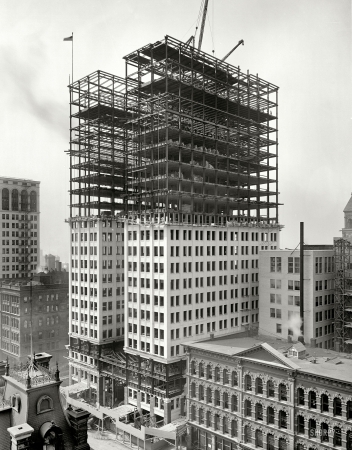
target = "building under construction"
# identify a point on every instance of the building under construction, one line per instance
(186, 142)
(182, 133)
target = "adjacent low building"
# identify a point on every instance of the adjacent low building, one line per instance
(34, 317)
(257, 392)
(279, 291)
(31, 413)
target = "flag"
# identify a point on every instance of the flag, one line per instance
(68, 38)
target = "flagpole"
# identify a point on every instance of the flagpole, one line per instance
(72, 56)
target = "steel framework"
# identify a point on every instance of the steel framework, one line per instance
(343, 296)
(204, 143)
(98, 161)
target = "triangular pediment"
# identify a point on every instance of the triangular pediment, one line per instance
(267, 354)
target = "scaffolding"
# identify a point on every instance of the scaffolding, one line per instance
(204, 143)
(343, 296)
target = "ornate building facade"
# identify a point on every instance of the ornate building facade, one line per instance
(243, 393)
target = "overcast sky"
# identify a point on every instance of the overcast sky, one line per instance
(302, 46)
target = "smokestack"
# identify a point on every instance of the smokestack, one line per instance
(301, 281)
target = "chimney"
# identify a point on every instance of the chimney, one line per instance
(301, 279)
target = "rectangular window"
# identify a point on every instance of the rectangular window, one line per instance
(275, 264)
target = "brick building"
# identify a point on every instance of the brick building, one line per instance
(42, 302)
(257, 392)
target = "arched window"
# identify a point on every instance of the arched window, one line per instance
(208, 419)
(259, 438)
(234, 428)
(209, 372)
(282, 419)
(193, 390)
(217, 398)
(45, 403)
(201, 370)
(349, 440)
(270, 442)
(312, 429)
(312, 399)
(324, 403)
(225, 400)
(234, 380)
(337, 407)
(300, 396)
(270, 389)
(209, 395)
(248, 383)
(24, 200)
(225, 425)
(337, 436)
(14, 200)
(193, 367)
(16, 402)
(259, 411)
(217, 374)
(201, 392)
(193, 412)
(247, 408)
(201, 416)
(259, 386)
(282, 444)
(324, 432)
(216, 421)
(5, 199)
(300, 425)
(33, 201)
(225, 376)
(349, 410)
(283, 392)
(247, 435)
(270, 415)
(234, 403)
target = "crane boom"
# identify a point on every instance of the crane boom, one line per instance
(229, 53)
(203, 24)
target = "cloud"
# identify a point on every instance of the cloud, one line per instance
(22, 77)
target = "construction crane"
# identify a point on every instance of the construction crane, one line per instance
(187, 43)
(229, 53)
(203, 24)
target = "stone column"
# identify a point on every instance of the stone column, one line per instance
(103, 379)
(69, 374)
(167, 411)
(20, 436)
(213, 442)
(265, 416)
(100, 388)
(125, 390)
(306, 428)
(318, 403)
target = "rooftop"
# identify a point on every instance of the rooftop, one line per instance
(273, 351)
